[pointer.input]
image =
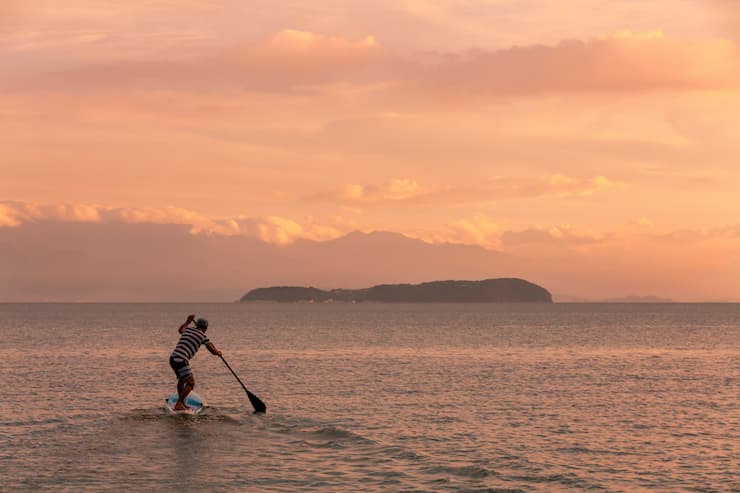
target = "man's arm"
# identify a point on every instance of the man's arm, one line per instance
(213, 349)
(187, 322)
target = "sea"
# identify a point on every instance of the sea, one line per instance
(374, 397)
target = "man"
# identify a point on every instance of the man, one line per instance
(190, 341)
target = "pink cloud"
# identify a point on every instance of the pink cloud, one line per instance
(293, 60)
(624, 62)
(9, 12)
(730, 10)
(289, 60)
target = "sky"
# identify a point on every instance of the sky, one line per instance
(599, 134)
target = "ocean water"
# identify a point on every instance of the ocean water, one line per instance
(374, 397)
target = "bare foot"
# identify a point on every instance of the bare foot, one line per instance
(180, 406)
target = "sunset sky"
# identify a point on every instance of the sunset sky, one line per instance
(602, 134)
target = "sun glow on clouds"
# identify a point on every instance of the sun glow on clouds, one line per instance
(174, 215)
(294, 41)
(270, 229)
(14, 214)
(553, 254)
(406, 191)
(396, 189)
(479, 229)
(284, 231)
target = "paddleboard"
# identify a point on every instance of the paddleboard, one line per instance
(192, 401)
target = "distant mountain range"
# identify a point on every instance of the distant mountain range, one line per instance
(115, 261)
(54, 261)
(486, 291)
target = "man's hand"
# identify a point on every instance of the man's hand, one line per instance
(190, 318)
(213, 349)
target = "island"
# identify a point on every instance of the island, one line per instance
(505, 290)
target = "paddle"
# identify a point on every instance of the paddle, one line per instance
(259, 406)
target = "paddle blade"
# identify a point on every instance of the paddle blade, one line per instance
(257, 404)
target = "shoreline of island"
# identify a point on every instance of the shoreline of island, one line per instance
(502, 290)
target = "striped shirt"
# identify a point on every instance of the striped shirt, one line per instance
(189, 342)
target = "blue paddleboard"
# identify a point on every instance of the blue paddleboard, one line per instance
(192, 401)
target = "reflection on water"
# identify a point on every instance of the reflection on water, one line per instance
(375, 397)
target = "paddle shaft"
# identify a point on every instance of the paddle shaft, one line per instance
(234, 373)
(259, 406)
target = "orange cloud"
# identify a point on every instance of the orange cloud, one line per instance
(547, 236)
(271, 229)
(406, 191)
(397, 189)
(173, 215)
(283, 231)
(303, 46)
(693, 236)
(488, 232)
(480, 229)
(293, 58)
(14, 214)
(644, 222)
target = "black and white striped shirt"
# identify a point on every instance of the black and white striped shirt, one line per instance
(189, 342)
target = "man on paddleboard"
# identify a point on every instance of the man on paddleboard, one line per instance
(191, 338)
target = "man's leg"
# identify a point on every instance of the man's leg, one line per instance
(184, 386)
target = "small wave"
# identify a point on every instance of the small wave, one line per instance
(339, 434)
(402, 454)
(309, 432)
(33, 422)
(567, 479)
(586, 450)
(470, 471)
